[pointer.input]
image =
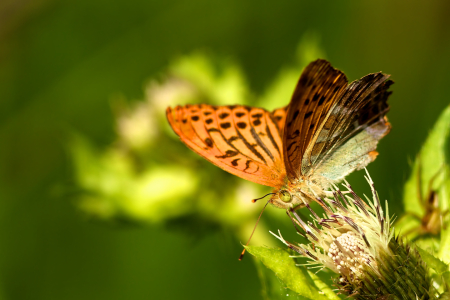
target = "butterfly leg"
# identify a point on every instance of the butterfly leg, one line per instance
(295, 222)
(426, 200)
(431, 220)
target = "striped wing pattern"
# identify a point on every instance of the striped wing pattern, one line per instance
(242, 140)
(362, 104)
(317, 91)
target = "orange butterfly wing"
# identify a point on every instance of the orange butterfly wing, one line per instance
(316, 92)
(241, 140)
(280, 117)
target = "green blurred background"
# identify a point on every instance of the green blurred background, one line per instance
(61, 63)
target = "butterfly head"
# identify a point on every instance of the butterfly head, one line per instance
(286, 198)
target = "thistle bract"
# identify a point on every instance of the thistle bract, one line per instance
(355, 240)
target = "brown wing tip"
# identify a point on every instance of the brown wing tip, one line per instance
(169, 115)
(172, 119)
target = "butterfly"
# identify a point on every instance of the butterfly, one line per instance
(329, 129)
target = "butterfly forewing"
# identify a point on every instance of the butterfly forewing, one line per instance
(363, 103)
(317, 91)
(280, 117)
(242, 140)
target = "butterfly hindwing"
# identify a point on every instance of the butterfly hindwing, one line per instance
(362, 149)
(242, 140)
(316, 92)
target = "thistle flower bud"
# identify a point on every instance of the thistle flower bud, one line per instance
(357, 242)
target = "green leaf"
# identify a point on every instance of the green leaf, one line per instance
(272, 287)
(442, 269)
(446, 277)
(430, 173)
(444, 252)
(294, 278)
(326, 289)
(433, 262)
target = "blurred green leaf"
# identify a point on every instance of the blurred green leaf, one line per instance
(112, 186)
(295, 278)
(221, 80)
(279, 92)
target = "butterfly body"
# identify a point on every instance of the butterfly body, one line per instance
(329, 129)
(298, 193)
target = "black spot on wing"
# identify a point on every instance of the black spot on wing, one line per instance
(308, 114)
(295, 134)
(293, 117)
(247, 165)
(223, 115)
(225, 125)
(257, 122)
(322, 99)
(208, 121)
(241, 125)
(228, 153)
(239, 114)
(315, 97)
(195, 118)
(232, 139)
(208, 142)
(235, 162)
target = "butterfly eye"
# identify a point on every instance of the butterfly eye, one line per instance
(285, 196)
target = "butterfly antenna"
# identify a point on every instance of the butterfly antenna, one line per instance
(243, 251)
(254, 200)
